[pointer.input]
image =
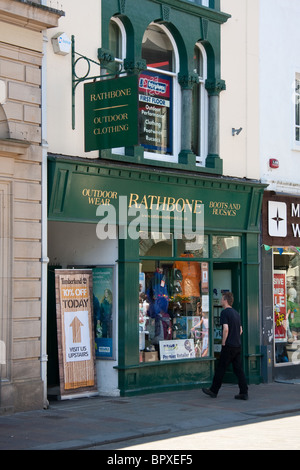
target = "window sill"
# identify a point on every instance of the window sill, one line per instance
(296, 146)
(166, 363)
(187, 162)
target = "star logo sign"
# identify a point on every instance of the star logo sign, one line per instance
(277, 223)
(277, 219)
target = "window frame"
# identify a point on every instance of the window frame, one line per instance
(296, 102)
(203, 110)
(176, 101)
(176, 104)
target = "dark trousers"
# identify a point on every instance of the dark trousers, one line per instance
(230, 355)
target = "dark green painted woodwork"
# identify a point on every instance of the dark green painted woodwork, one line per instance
(67, 178)
(229, 205)
(163, 377)
(189, 23)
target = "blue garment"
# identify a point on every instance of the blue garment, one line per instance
(158, 295)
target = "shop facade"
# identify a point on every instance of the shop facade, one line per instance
(280, 286)
(165, 277)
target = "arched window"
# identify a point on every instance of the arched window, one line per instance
(159, 95)
(117, 39)
(199, 107)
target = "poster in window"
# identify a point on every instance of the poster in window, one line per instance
(155, 112)
(103, 302)
(279, 303)
(75, 331)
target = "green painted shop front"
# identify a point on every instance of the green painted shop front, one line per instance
(81, 191)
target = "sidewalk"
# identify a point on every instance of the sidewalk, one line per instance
(86, 422)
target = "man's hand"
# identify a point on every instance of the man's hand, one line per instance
(225, 333)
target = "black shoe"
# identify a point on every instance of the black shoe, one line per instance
(242, 396)
(208, 391)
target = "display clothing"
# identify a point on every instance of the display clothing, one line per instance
(294, 314)
(157, 294)
(158, 298)
(191, 276)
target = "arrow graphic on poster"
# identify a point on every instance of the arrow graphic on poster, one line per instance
(76, 328)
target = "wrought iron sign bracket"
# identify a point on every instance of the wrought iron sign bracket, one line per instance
(105, 59)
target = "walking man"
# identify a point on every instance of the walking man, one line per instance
(231, 350)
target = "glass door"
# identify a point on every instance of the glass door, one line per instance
(226, 277)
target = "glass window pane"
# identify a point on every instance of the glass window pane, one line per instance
(297, 109)
(173, 310)
(286, 304)
(115, 42)
(226, 247)
(155, 112)
(157, 49)
(156, 244)
(198, 246)
(196, 125)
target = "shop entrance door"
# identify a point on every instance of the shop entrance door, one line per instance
(226, 277)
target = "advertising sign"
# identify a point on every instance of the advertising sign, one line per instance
(280, 220)
(111, 113)
(74, 330)
(103, 300)
(155, 111)
(176, 349)
(279, 305)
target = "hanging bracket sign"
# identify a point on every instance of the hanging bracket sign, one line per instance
(111, 113)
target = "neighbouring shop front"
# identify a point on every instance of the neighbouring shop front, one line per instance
(161, 246)
(280, 286)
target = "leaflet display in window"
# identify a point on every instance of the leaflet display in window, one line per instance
(155, 112)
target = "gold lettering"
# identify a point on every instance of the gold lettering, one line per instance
(145, 202)
(133, 200)
(106, 95)
(197, 203)
(172, 204)
(159, 203)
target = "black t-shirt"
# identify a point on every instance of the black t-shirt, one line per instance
(232, 318)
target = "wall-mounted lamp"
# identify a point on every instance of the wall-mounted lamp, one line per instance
(236, 131)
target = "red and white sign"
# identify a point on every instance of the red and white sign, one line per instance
(279, 306)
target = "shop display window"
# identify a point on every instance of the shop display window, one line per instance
(286, 305)
(198, 246)
(173, 300)
(226, 247)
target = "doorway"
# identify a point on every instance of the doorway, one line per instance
(226, 277)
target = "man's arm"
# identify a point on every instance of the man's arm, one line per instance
(225, 333)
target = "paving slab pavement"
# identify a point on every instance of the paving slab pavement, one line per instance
(86, 422)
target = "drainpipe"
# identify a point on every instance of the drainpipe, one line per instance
(44, 257)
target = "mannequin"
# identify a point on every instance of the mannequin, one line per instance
(157, 294)
(293, 311)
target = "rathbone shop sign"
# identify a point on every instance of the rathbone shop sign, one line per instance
(281, 220)
(111, 113)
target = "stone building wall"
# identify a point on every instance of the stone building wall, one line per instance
(21, 55)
